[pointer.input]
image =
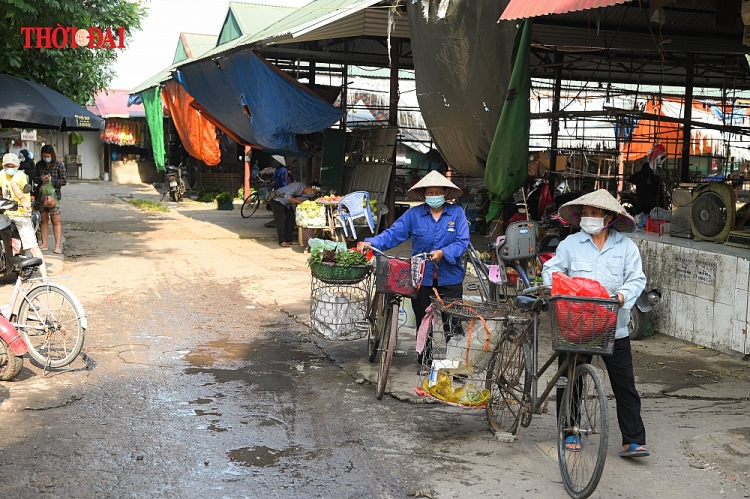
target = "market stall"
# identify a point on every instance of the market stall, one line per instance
(320, 219)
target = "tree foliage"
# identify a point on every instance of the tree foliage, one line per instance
(76, 73)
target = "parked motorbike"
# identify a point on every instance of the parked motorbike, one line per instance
(10, 241)
(12, 349)
(174, 182)
(640, 322)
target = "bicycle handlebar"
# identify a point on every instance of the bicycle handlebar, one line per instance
(427, 256)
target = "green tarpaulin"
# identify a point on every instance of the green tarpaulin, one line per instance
(155, 120)
(507, 163)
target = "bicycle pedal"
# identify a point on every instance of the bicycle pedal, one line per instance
(472, 287)
(399, 353)
(562, 382)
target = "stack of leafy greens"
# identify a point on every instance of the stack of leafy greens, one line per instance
(345, 258)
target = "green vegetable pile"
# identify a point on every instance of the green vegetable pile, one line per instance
(348, 258)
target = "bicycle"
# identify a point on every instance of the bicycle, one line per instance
(382, 314)
(252, 201)
(49, 317)
(513, 375)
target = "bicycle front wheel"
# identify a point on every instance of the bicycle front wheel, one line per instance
(49, 323)
(250, 205)
(509, 383)
(387, 345)
(582, 432)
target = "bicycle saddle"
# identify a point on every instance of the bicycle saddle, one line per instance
(20, 262)
(530, 303)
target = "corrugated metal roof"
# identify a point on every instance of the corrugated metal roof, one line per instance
(112, 103)
(245, 18)
(253, 17)
(302, 20)
(198, 44)
(367, 22)
(523, 9)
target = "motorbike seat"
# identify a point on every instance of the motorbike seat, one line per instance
(20, 262)
(529, 303)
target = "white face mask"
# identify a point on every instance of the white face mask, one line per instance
(592, 225)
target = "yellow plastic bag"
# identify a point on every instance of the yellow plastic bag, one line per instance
(468, 395)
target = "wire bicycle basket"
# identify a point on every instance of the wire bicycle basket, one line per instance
(583, 325)
(459, 349)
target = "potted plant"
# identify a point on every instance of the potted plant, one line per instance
(224, 201)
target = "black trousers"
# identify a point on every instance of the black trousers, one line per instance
(284, 217)
(622, 380)
(420, 304)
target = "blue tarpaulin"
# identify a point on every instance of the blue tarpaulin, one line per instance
(279, 106)
(207, 85)
(256, 102)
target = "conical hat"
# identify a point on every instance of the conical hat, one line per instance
(571, 211)
(434, 179)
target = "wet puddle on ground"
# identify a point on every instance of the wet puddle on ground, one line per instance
(263, 456)
(270, 363)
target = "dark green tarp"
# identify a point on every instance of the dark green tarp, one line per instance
(155, 120)
(507, 163)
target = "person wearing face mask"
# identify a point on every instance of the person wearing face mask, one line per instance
(435, 227)
(27, 163)
(13, 181)
(602, 253)
(46, 169)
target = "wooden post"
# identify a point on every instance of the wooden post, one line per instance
(686, 128)
(393, 121)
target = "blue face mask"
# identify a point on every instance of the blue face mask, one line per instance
(435, 201)
(47, 160)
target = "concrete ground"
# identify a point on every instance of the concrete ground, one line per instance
(199, 355)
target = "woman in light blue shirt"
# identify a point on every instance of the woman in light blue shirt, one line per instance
(600, 252)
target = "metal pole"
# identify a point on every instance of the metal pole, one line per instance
(686, 127)
(393, 121)
(559, 58)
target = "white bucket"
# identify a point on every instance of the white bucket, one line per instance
(105, 176)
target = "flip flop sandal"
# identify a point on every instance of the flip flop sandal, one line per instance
(571, 441)
(634, 452)
(285, 245)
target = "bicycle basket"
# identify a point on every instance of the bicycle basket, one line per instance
(394, 276)
(583, 325)
(337, 274)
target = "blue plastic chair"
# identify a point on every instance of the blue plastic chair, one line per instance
(352, 206)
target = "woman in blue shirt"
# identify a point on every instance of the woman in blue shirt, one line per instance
(435, 227)
(600, 252)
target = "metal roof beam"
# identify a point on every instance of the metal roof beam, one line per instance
(350, 58)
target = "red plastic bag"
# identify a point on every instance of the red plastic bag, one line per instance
(545, 199)
(580, 322)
